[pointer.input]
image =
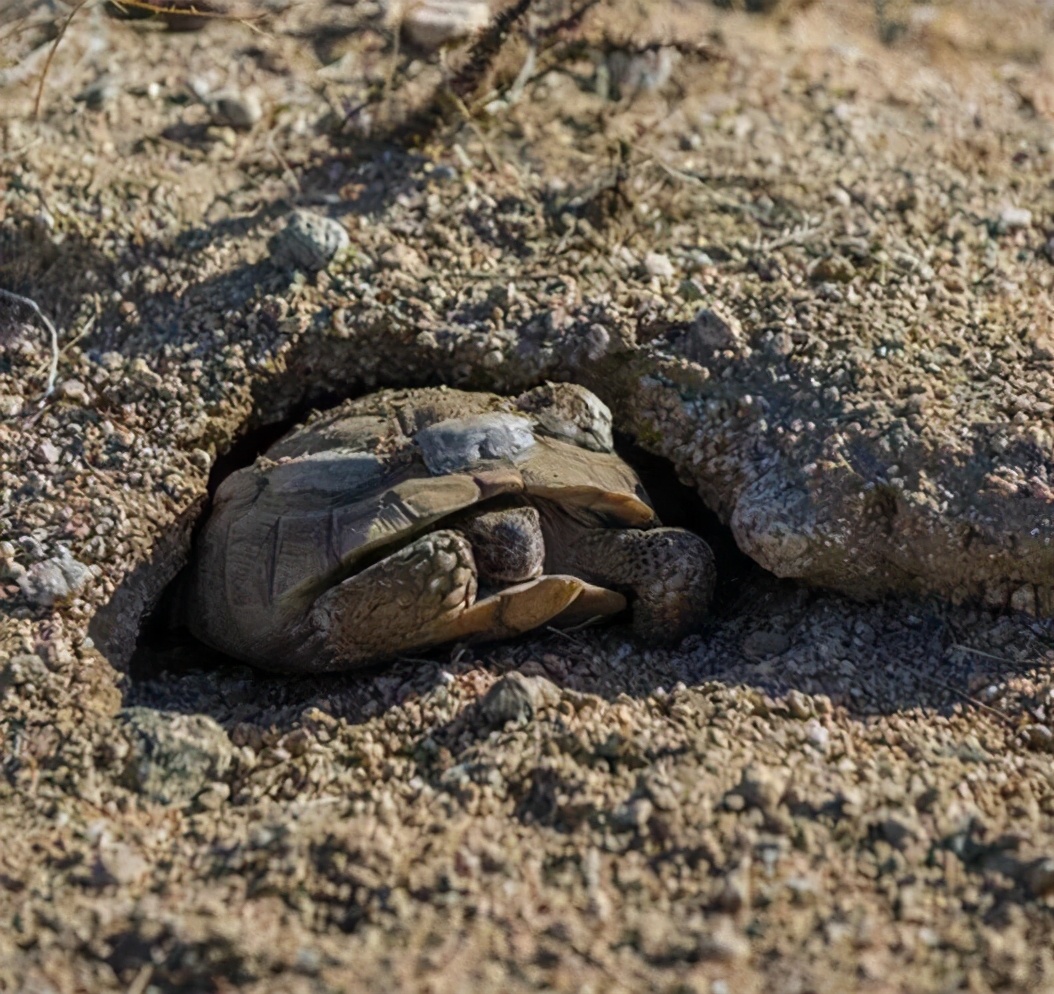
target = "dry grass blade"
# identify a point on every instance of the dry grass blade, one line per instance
(987, 708)
(190, 10)
(51, 55)
(53, 368)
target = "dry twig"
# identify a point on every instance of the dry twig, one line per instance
(53, 369)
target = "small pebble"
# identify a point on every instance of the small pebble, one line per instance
(404, 259)
(432, 24)
(213, 796)
(758, 645)
(516, 697)
(658, 265)
(896, 832)
(632, 73)
(73, 391)
(760, 788)
(1012, 218)
(98, 94)
(1039, 877)
(634, 815)
(817, 734)
(309, 242)
(1039, 737)
(724, 942)
(10, 405)
(799, 705)
(172, 757)
(118, 864)
(24, 668)
(235, 109)
(54, 580)
(48, 452)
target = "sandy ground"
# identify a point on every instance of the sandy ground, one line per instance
(815, 794)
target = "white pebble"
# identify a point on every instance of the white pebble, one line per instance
(1011, 218)
(431, 24)
(658, 265)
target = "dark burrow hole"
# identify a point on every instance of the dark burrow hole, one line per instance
(160, 648)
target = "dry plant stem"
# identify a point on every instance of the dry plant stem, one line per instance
(569, 23)
(48, 60)
(389, 76)
(160, 8)
(54, 365)
(995, 712)
(88, 325)
(290, 175)
(977, 652)
(478, 132)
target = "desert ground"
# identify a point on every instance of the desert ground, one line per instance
(804, 251)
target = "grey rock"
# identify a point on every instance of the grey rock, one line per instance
(1011, 218)
(118, 863)
(309, 242)
(626, 74)
(760, 788)
(24, 669)
(516, 697)
(724, 943)
(1039, 877)
(98, 94)
(434, 24)
(172, 757)
(658, 265)
(54, 580)
(1039, 737)
(896, 831)
(799, 705)
(633, 815)
(762, 644)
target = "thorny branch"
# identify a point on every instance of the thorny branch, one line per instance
(420, 126)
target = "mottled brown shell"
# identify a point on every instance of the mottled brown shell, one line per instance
(332, 494)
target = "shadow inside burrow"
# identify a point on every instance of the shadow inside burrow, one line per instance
(898, 655)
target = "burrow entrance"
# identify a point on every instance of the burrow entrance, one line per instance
(163, 647)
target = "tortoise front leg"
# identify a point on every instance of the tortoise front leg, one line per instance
(669, 571)
(386, 609)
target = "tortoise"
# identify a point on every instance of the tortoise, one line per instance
(410, 518)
